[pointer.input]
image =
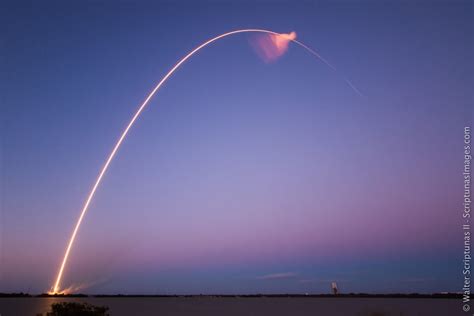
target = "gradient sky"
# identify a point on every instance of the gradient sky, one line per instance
(241, 176)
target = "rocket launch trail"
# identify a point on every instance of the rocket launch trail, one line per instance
(280, 41)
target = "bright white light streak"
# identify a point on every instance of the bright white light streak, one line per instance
(56, 287)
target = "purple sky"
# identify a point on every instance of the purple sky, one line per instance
(241, 176)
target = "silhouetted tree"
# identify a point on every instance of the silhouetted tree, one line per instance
(77, 309)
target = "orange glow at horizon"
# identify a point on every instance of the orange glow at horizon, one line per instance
(75, 288)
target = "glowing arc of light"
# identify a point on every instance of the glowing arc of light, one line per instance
(134, 118)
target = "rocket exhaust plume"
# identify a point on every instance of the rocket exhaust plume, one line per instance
(275, 48)
(270, 47)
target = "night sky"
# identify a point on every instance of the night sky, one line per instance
(242, 176)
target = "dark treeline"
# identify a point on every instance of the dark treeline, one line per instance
(348, 295)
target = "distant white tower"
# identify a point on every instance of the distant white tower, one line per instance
(334, 288)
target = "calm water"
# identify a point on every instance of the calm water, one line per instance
(246, 306)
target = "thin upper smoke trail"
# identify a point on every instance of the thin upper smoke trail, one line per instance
(313, 52)
(279, 36)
